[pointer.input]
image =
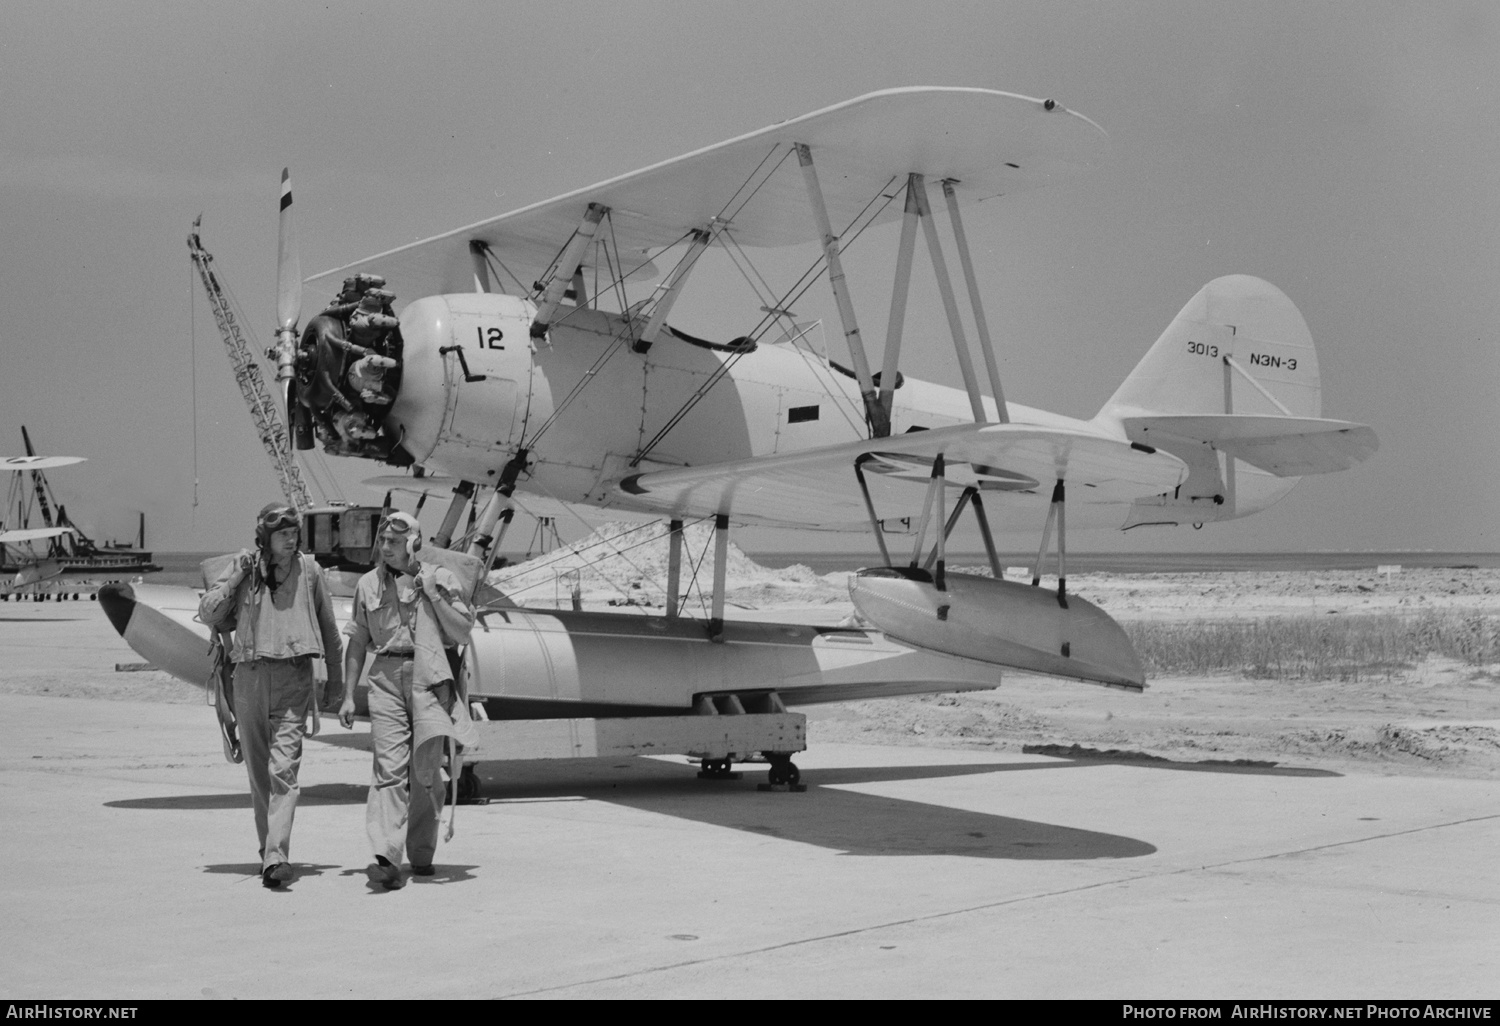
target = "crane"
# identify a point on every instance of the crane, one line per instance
(268, 424)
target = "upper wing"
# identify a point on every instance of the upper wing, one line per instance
(37, 462)
(33, 534)
(818, 488)
(989, 142)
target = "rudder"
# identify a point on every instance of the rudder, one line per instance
(1239, 349)
(1236, 318)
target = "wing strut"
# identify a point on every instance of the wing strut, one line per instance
(477, 248)
(899, 291)
(562, 271)
(981, 325)
(880, 425)
(672, 288)
(918, 211)
(950, 308)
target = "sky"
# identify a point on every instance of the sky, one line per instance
(1344, 151)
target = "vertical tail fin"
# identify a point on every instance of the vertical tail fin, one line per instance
(1236, 333)
(1239, 351)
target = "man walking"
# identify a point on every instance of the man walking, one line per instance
(411, 615)
(277, 604)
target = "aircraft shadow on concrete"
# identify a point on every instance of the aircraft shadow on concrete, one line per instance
(850, 822)
(317, 794)
(846, 821)
(1079, 756)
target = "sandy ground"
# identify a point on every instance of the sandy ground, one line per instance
(939, 853)
(1436, 716)
(1439, 715)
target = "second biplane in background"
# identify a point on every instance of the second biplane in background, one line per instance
(43, 554)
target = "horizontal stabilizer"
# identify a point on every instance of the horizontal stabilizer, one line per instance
(1283, 446)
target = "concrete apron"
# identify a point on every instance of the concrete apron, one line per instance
(129, 850)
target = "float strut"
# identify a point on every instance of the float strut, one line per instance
(674, 567)
(462, 493)
(859, 473)
(1056, 511)
(989, 539)
(721, 566)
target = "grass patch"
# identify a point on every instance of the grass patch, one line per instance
(1343, 647)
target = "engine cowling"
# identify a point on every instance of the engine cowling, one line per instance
(468, 381)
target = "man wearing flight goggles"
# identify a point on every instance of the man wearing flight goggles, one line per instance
(278, 606)
(411, 615)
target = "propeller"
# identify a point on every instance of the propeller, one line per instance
(288, 293)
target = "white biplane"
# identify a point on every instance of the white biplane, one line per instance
(55, 559)
(506, 373)
(18, 545)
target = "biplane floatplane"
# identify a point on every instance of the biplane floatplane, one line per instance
(42, 552)
(505, 372)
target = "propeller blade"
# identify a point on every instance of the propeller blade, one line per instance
(288, 266)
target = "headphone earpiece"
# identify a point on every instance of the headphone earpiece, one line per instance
(413, 542)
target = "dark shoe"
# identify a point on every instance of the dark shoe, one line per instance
(422, 870)
(388, 873)
(275, 876)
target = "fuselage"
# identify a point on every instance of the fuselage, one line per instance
(584, 404)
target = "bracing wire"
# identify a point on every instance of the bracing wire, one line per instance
(811, 275)
(491, 257)
(193, 359)
(611, 544)
(751, 177)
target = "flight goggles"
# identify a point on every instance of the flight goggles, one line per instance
(278, 518)
(400, 523)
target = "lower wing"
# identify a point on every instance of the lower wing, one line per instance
(819, 488)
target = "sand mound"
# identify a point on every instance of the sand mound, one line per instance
(626, 564)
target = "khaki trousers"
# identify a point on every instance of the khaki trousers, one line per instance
(271, 702)
(407, 726)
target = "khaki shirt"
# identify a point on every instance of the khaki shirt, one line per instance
(293, 621)
(391, 617)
